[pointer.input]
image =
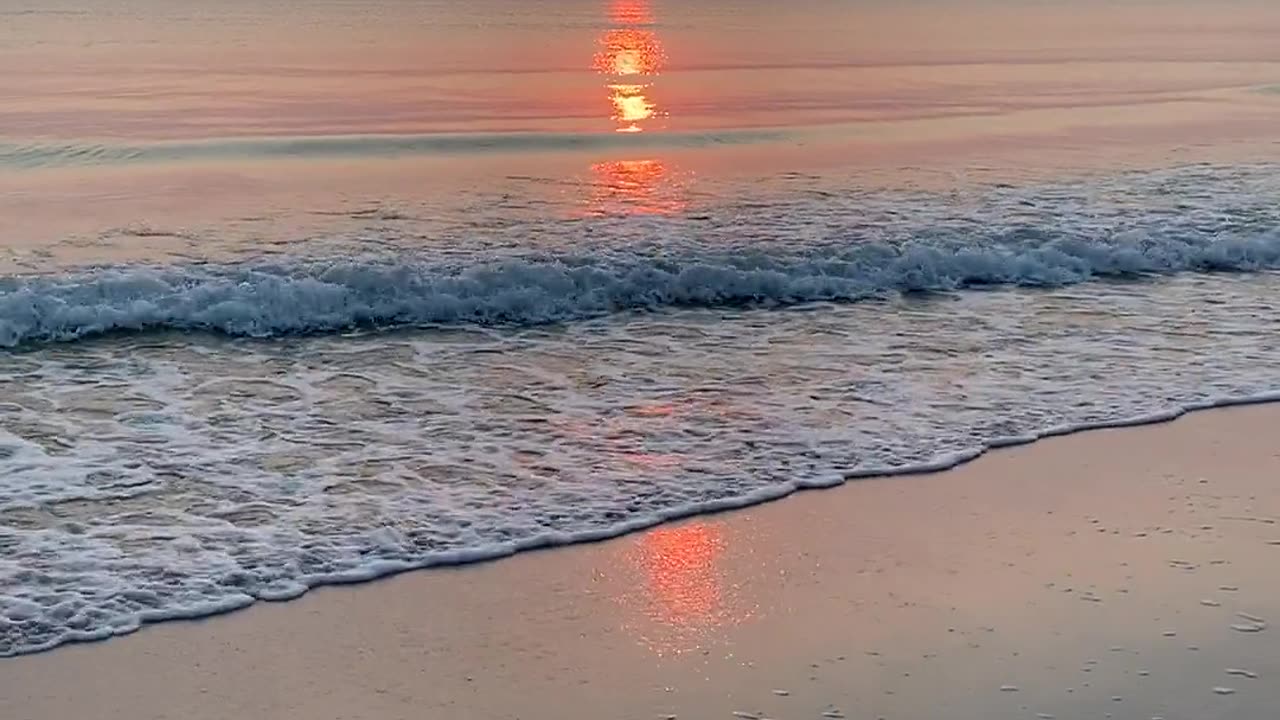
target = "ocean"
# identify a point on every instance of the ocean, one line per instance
(305, 292)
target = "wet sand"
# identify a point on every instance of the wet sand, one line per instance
(1122, 573)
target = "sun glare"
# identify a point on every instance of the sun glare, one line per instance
(629, 56)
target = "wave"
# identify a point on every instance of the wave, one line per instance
(269, 300)
(64, 154)
(374, 570)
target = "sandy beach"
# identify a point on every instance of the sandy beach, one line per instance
(1120, 573)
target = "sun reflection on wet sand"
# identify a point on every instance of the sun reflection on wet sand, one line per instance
(681, 599)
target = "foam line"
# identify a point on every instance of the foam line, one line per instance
(495, 551)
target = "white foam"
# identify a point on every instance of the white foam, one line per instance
(377, 569)
(154, 478)
(267, 300)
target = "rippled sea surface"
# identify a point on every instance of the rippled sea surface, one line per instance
(395, 284)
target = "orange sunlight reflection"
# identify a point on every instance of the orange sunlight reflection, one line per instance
(635, 187)
(629, 56)
(631, 12)
(682, 600)
(628, 51)
(630, 106)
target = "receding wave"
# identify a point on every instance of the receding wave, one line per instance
(266, 300)
(62, 154)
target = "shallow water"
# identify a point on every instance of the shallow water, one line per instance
(429, 283)
(171, 474)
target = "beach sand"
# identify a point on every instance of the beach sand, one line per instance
(1122, 573)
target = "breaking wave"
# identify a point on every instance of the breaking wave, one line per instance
(267, 300)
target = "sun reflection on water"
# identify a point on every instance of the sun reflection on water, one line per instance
(630, 56)
(630, 106)
(629, 51)
(631, 12)
(636, 187)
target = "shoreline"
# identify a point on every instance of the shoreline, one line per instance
(1049, 579)
(554, 540)
(558, 540)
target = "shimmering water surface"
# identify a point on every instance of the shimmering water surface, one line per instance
(307, 292)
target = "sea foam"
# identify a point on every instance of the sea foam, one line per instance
(147, 478)
(573, 379)
(266, 300)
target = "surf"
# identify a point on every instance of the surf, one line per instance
(316, 297)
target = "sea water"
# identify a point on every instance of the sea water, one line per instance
(359, 301)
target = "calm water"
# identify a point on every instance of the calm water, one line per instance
(306, 292)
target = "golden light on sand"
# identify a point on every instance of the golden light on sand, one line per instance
(680, 563)
(681, 599)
